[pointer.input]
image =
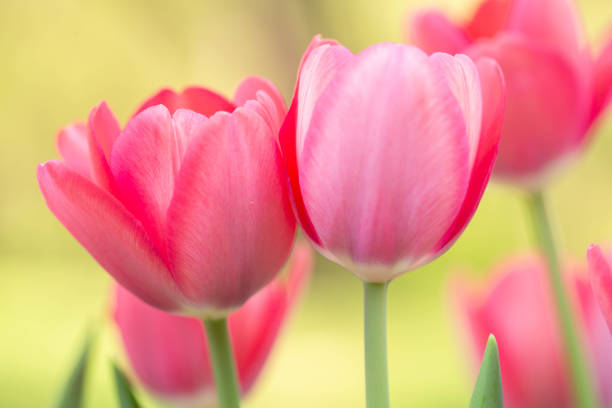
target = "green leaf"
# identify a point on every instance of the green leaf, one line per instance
(488, 390)
(125, 394)
(72, 396)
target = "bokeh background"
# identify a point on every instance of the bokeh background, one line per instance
(59, 58)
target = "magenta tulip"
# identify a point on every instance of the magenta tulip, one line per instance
(517, 307)
(187, 207)
(169, 355)
(555, 89)
(389, 151)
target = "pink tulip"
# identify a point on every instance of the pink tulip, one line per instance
(601, 280)
(389, 151)
(517, 307)
(189, 213)
(168, 353)
(555, 90)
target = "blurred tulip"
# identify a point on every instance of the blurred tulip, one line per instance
(389, 151)
(601, 280)
(517, 308)
(189, 213)
(555, 89)
(169, 354)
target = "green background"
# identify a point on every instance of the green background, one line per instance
(59, 58)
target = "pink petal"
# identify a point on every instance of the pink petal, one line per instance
(103, 131)
(602, 81)
(197, 99)
(230, 225)
(433, 32)
(74, 148)
(108, 232)
(144, 162)
(104, 127)
(490, 18)
(254, 328)
(601, 281)
(493, 101)
(385, 163)
(553, 23)
(315, 78)
(598, 342)
(249, 88)
(546, 107)
(462, 78)
(168, 352)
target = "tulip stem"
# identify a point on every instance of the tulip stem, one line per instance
(222, 359)
(584, 392)
(377, 384)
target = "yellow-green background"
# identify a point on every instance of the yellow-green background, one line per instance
(60, 57)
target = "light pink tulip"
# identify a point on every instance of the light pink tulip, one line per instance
(168, 353)
(601, 280)
(389, 151)
(189, 213)
(517, 307)
(555, 89)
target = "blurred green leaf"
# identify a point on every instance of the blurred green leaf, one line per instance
(125, 394)
(488, 390)
(72, 396)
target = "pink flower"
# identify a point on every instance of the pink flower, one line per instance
(555, 90)
(189, 213)
(169, 355)
(601, 280)
(389, 151)
(517, 307)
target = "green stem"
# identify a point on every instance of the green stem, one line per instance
(377, 384)
(222, 359)
(584, 393)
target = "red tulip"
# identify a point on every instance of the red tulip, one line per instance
(189, 213)
(555, 90)
(168, 353)
(518, 309)
(389, 151)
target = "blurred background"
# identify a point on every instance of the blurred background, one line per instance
(61, 57)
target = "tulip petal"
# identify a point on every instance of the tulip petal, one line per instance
(382, 179)
(493, 101)
(225, 249)
(433, 32)
(254, 327)
(103, 131)
(602, 82)
(601, 280)
(315, 78)
(546, 100)
(108, 232)
(490, 17)
(74, 148)
(168, 352)
(200, 100)
(249, 88)
(144, 162)
(463, 80)
(553, 23)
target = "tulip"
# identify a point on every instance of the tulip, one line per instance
(517, 307)
(601, 280)
(168, 353)
(388, 153)
(187, 207)
(555, 89)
